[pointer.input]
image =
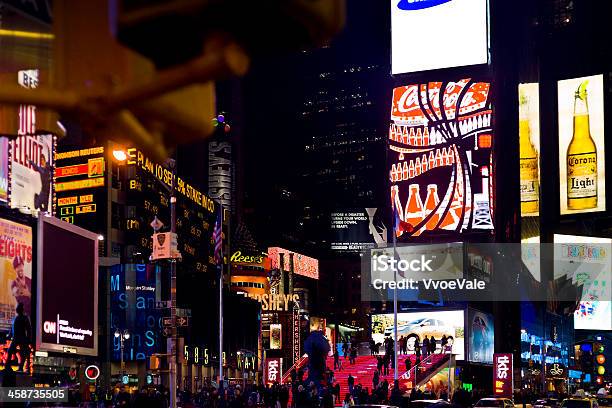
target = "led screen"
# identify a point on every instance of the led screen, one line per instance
(67, 319)
(432, 34)
(481, 337)
(417, 325)
(439, 149)
(581, 145)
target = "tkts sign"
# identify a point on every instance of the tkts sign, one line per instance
(440, 143)
(273, 370)
(503, 376)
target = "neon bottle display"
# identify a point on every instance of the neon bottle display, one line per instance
(529, 174)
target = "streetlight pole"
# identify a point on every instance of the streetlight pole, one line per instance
(122, 337)
(173, 366)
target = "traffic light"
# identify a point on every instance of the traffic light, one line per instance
(599, 360)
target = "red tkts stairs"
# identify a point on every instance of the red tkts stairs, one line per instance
(365, 366)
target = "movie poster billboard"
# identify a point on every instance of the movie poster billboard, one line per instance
(581, 145)
(15, 271)
(31, 172)
(415, 326)
(529, 147)
(481, 336)
(4, 166)
(440, 158)
(434, 34)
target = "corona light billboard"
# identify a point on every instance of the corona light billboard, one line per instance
(581, 145)
(529, 147)
(440, 161)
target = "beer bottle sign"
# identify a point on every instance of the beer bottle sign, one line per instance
(581, 132)
(529, 159)
(581, 157)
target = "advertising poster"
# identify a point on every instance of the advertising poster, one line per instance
(67, 290)
(4, 145)
(15, 271)
(302, 264)
(503, 375)
(357, 229)
(529, 148)
(31, 172)
(276, 337)
(440, 158)
(417, 325)
(433, 34)
(481, 341)
(581, 145)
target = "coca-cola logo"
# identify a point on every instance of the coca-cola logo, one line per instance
(419, 4)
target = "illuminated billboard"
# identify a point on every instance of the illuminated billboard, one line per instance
(481, 336)
(67, 288)
(31, 172)
(586, 262)
(417, 325)
(276, 337)
(79, 198)
(4, 166)
(15, 271)
(357, 229)
(133, 293)
(529, 148)
(440, 158)
(302, 264)
(581, 145)
(433, 34)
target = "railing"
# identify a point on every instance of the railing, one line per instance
(298, 364)
(422, 368)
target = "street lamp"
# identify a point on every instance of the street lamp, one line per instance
(122, 336)
(120, 155)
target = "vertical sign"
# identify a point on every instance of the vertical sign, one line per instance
(529, 143)
(4, 144)
(581, 145)
(276, 338)
(440, 150)
(503, 375)
(220, 171)
(31, 172)
(296, 333)
(273, 370)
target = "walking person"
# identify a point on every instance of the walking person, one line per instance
(425, 346)
(353, 355)
(345, 348)
(351, 383)
(375, 380)
(408, 363)
(432, 345)
(417, 347)
(337, 365)
(443, 343)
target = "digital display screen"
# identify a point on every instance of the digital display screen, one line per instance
(417, 325)
(440, 158)
(80, 196)
(67, 318)
(357, 229)
(133, 291)
(481, 337)
(433, 34)
(581, 145)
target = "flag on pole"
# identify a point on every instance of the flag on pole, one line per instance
(218, 237)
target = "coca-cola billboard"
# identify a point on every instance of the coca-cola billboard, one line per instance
(434, 34)
(440, 158)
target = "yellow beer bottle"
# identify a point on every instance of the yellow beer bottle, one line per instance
(581, 157)
(528, 155)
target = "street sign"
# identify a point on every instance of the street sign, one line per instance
(163, 304)
(182, 321)
(167, 322)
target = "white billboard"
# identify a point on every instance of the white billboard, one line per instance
(434, 34)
